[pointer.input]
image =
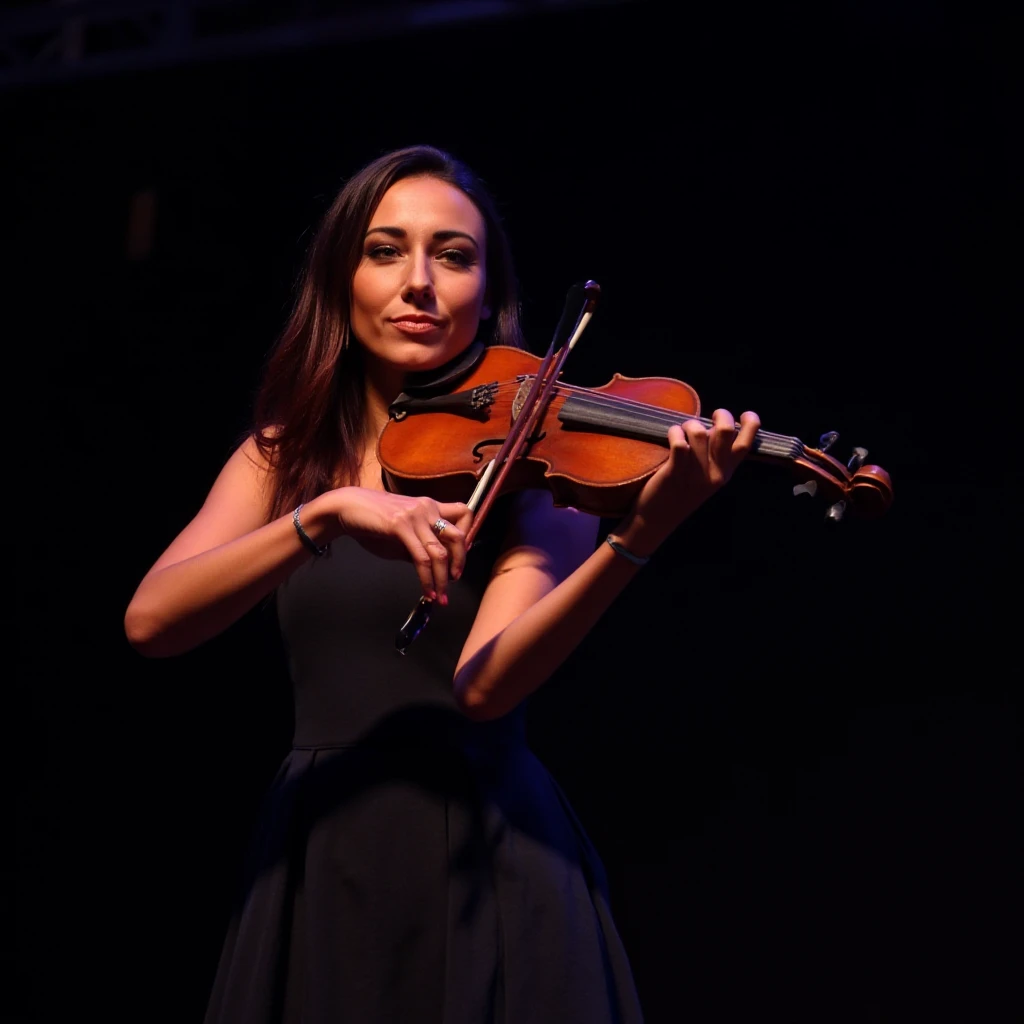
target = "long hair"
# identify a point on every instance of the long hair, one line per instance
(310, 406)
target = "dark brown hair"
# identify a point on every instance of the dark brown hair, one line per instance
(310, 406)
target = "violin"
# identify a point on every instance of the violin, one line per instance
(502, 419)
(593, 448)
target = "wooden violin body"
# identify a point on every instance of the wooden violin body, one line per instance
(592, 448)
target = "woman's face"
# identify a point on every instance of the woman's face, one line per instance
(418, 293)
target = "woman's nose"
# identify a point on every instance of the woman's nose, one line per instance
(419, 282)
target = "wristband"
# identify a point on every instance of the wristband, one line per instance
(306, 539)
(625, 552)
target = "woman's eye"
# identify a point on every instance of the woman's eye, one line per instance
(455, 256)
(382, 252)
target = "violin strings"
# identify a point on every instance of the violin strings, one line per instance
(767, 442)
(670, 416)
(764, 443)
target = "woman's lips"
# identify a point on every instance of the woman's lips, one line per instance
(416, 326)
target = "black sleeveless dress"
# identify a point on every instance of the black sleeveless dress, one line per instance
(409, 865)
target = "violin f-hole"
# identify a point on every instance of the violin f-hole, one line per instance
(491, 442)
(494, 441)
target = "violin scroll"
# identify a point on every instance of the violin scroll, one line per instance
(871, 491)
(867, 489)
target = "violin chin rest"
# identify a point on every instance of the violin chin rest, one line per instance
(445, 376)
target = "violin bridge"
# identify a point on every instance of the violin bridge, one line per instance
(525, 384)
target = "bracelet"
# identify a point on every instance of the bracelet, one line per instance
(625, 552)
(306, 539)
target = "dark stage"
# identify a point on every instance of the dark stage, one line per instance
(795, 742)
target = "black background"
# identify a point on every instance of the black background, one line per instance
(795, 743)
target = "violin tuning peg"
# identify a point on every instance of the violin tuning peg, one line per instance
(857, 459)
(835, 512)
(808, 488)
(827, 440)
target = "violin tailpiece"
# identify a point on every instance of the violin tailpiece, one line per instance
(475, 402)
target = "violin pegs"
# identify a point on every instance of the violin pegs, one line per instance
(857, 459)
(827, 440)
(835, 512)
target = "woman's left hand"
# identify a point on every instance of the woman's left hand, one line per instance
(701, 461)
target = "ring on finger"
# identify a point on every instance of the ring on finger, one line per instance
(439, 527)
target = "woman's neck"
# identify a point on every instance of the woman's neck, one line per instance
(379, 395)
(383, 386)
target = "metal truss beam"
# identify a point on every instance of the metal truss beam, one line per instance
(74, 39)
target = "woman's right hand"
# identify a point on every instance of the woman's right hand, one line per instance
(401, 527)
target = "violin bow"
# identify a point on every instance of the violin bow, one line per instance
(537, 400)
(487, 489)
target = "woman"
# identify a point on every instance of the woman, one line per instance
(414, 861)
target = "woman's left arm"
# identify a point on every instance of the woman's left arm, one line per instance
(550, 586)
(548, 590)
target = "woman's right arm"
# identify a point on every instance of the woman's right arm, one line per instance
(230, 557)
(223, 562)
